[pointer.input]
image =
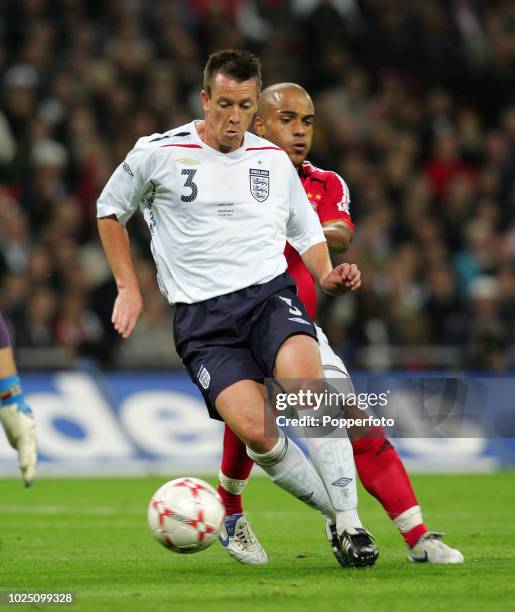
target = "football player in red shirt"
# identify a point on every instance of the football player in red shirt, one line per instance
(286, 117)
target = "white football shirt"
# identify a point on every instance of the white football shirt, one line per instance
(218, 221)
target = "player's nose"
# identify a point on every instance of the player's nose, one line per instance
(299, 129)
(235, 116)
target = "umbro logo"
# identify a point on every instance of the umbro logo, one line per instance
(127, 168)
(306, 498)
(298, 320)
(342, 482)
(188, 161)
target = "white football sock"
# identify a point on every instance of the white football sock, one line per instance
(231, 485)
(409, 518)
(289, 469)
(334, 462)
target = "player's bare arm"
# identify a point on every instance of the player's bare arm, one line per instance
(128, 305)
(338, 235)
(334, 281)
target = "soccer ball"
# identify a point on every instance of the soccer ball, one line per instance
(186, 515)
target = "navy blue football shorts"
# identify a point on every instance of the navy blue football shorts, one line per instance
(237, 336)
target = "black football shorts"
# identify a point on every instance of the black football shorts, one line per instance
(237, 336)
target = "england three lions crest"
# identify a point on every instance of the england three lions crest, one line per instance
(259, 184)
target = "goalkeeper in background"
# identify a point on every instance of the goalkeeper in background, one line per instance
(15, 414)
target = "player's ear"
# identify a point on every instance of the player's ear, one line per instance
(204, 98)
(259, 126)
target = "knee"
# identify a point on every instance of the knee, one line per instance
(298, 357)
(258, 441)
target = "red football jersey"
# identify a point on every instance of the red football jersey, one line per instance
(329, 196)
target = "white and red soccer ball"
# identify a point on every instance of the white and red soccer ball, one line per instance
(186, 515)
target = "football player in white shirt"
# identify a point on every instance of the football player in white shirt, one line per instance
(220, 204)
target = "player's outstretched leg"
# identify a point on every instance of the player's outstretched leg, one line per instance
(237, 536)
(330, 452)
(240, 405)
(382, 472)
(383, 475)
(289, 469)
(352, 545)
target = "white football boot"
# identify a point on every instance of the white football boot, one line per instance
(239, 541)
(431, 549)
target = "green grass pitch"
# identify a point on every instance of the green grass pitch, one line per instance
(90, 536)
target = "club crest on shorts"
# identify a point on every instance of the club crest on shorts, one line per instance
(204, 377)
(259, 184)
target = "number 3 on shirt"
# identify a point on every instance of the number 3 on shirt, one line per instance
(190, 184)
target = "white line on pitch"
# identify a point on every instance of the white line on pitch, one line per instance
(83, 511)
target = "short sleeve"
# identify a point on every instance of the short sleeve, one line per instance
(335, 204)
(303, 228)
(127, 185)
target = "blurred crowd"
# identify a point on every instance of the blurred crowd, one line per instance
(415, 108)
